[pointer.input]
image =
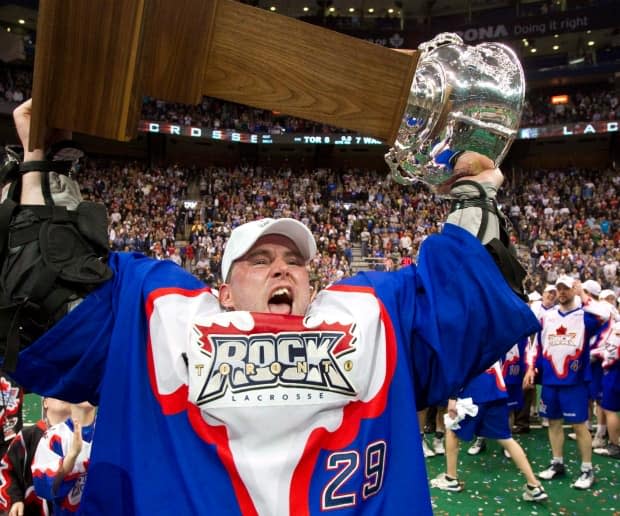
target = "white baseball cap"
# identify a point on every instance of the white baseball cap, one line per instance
(550, 288)
(606, 293)
(534, 296)
(565, 280)
(245, 236)
(593, 287)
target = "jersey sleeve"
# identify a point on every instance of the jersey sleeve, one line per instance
(600, 310)
(69, 361)
(455, 312)
(466, 315)
(597, 318)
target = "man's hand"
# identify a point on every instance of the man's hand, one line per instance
(451, 409)
(31, 181)
(529, 378)
(22, 116)
(578, 288)
(68, 462)
(479, 168)
(76, 443)
(17, 509)
(475, 167)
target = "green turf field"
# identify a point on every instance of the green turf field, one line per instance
(32, 408)
(493, 484)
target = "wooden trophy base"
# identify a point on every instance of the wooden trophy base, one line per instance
(96, 59)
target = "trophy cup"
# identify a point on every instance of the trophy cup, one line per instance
(462, 98)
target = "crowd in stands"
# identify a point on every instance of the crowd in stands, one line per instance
(589, 104)
(564, 221)
(142, 203)
(15, 85)
(568, 223)
(581, 106)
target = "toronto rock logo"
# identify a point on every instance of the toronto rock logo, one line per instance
(304, 359)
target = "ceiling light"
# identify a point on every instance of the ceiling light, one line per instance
(590, 43)
(351, 9)
(556, 36)
(332, 9)
(21, 21)
(306, 9)
(371, 10)
(556, 47)
(272, 8)
(390, 10)
(533, 50)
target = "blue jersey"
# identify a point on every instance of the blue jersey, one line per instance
(513, 364)
(209, 412)
(488, 386)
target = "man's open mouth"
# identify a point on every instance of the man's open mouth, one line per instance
(281, 301)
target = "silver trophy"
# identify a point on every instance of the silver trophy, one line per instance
(462, 98)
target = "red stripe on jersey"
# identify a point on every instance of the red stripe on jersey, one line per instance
(353, 413)
(176, 401)
(218, 435)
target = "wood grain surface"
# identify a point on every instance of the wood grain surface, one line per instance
(96, 59)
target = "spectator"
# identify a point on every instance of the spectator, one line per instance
(17, 495)
(61, 460)
(562, 357)
(11, 401)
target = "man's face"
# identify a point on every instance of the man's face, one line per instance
(271, 277)
(548, 297)
(565, 294)
(56, 410)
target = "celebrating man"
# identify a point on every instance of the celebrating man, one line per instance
(256, 400)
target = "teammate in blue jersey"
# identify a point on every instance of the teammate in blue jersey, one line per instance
(595, 383)
(563, 358)
(513, 369)
(609, 354)
(486, 395)
(258, 401)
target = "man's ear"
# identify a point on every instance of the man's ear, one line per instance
(225, 296)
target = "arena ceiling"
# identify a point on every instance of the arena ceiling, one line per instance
(11, 11)
(21, 15)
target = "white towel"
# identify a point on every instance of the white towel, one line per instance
(464, 407)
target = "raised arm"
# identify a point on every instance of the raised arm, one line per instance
(60, 462)
(465, 312)
(31, 181)
(474, 208)
(53, 246)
